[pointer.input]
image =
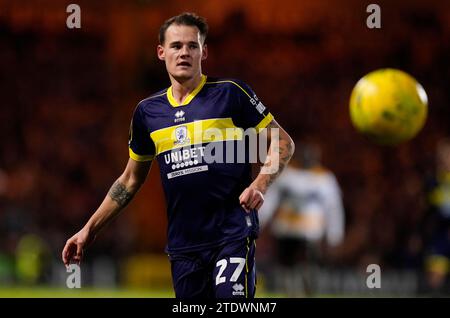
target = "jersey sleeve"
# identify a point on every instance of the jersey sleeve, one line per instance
(141, 147)
(251, 112)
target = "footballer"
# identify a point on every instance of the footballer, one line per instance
(211, 205)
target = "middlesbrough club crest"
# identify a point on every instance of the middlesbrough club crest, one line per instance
(181, 136)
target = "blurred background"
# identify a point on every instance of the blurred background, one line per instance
(67, 100)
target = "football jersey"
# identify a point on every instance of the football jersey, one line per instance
(198, 148)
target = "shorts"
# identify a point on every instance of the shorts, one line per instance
(227, 271)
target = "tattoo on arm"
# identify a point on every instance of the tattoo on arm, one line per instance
(284, 150)
(120, 194)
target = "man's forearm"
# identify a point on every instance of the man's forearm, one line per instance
(119, 195)
(279, 153)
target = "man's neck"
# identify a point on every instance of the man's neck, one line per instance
(180, 90)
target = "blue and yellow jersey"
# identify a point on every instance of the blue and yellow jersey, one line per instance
(202, 194)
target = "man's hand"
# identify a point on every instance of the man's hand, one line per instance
(74, 248)
(121, 192)
(251, 198)
(280, 152)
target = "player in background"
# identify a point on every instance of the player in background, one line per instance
(437, 250)
(211, 205)
(305, 212)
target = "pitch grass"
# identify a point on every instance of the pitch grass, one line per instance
(49, 292)
(53, 292)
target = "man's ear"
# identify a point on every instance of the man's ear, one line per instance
(160, 52)
(204, 52)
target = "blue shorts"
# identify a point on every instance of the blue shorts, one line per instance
(227, 271)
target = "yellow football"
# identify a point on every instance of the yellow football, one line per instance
(389, 106)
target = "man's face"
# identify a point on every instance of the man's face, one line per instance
(182, 52)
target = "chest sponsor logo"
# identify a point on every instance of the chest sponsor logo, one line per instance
(185, 158)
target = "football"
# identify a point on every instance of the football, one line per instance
(389, 106)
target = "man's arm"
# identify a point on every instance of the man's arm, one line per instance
(281, 149)
(120, 194)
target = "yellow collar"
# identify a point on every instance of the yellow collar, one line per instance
(191, 95)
